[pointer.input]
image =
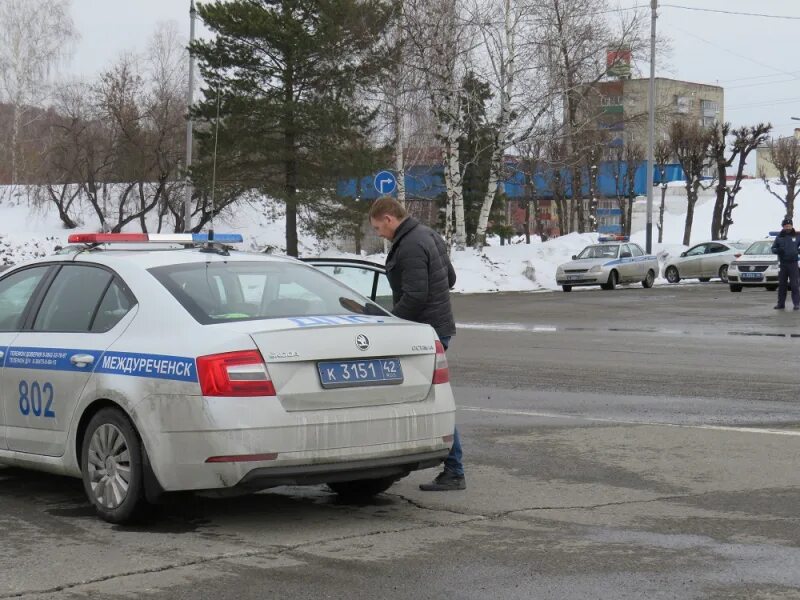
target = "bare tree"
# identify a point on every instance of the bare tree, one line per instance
(34, 36)
(440, 43)
(512, 49)
(577, 38)
(626, 161)
(164, 113)
(662, 155)
(530, 163)
(80, 152)
(746, 139)
(784, 153)
(691, 144)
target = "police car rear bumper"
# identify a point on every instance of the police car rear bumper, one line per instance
(394, 466)
(255, 443)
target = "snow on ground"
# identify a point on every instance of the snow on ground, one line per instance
(28, 231)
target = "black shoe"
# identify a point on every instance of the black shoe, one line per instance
(445, 482)
(796, 307)
(778, 307)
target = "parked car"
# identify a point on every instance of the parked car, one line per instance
(757, 267)
(704, 261)
(183, 365)
(613, 261)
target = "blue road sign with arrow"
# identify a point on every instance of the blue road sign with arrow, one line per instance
(385, 182)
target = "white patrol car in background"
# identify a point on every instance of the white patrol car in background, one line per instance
(757, 267)
(160, 368)
(612, 261)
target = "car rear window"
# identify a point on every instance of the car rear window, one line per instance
(219, 292)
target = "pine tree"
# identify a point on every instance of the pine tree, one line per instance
(475, 148)
(289, 77)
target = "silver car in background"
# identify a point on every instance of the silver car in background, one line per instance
(613, 261)
(757, 267)
(704, 261)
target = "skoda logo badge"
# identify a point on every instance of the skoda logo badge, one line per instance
(362, 342)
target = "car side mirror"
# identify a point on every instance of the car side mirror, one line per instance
(626, 255)
(574, 257)
(737, 255)
(683, 254)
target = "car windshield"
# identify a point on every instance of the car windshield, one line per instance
(600, 251)
(218, 292)
(762, 247)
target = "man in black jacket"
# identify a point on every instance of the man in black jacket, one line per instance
(421, 275)
(787, 247)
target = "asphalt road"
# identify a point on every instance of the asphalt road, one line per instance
(627, 444)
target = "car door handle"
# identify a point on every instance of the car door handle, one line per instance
(81, 360)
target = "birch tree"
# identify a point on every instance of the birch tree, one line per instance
(441, 42)
(510, 38)
(34, 36)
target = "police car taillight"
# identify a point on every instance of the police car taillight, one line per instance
(441, 372)
(234, 374)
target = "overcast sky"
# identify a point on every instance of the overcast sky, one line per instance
(753, 58)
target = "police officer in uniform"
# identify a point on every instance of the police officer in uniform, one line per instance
(787, 247)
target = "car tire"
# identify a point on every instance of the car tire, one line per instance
(111, 443)
(566, 288)
(362, 489)
(649, 279)
(705, 279)
(736, 288)
(672, 275)
(723, 273)
(772, 288)
(613, 280)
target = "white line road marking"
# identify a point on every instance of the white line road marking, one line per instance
(544, 415)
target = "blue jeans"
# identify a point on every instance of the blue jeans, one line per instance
(453, 464)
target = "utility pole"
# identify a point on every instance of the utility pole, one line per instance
(651, 126)
(187, 202)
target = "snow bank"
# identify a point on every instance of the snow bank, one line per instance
(28, 231)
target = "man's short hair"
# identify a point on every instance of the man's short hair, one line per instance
(386, 205)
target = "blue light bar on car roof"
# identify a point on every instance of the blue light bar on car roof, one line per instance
(613, 238)
(154, 238)
(773, 233)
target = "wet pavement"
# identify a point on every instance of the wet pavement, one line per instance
(625, 444)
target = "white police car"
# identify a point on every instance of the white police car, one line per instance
(160, 368)
(612, 261)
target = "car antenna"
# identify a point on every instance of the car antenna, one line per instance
(210, 246)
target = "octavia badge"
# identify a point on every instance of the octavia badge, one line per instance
(362, 342)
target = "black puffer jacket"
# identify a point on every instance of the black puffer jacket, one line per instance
(421, 276)
(786, 246)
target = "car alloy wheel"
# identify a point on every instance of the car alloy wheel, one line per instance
(649, 279)
(112, 467)
(723, 273)
(109, 466)
(672, 275)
